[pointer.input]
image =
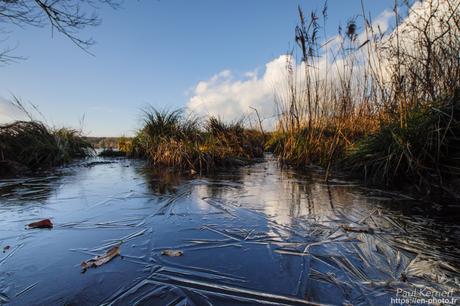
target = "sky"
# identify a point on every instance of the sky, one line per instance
(212, 56)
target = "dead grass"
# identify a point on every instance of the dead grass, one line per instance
(384, 106)
(172, 139)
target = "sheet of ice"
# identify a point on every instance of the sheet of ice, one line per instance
(254, 235)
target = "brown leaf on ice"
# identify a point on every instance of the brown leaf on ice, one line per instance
(46, 223)
(172, 253)
(100, 260)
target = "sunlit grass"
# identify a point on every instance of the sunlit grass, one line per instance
(173, 139)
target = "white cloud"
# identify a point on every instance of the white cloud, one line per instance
(231, 98)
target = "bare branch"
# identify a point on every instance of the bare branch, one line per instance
(67, 17)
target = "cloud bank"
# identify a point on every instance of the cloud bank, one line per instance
(230, 97)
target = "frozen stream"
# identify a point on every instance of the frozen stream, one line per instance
(254, 235)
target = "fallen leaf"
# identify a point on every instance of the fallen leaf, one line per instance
(100, 260)
(46, 223)
(172, 253)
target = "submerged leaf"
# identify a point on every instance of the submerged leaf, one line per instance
(100, 260)
(46, 223)
(172, 253)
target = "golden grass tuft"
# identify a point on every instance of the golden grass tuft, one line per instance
(171, 139)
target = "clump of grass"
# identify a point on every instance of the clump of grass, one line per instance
(71, 143)
(172, 139)
(33, 145)
(234, 139)
(161, 130)
(425, 150)
(316, 146)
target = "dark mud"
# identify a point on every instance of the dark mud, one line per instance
(256, 235)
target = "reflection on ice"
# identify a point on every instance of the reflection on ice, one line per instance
(252, 235)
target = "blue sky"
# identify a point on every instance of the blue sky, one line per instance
(154, 52)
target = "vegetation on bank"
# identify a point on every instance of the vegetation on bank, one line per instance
(425, 151)
(167, 139)
(383, 106)
(31, 145)
(173, 139)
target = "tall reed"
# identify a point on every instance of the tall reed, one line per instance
(374, 102)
